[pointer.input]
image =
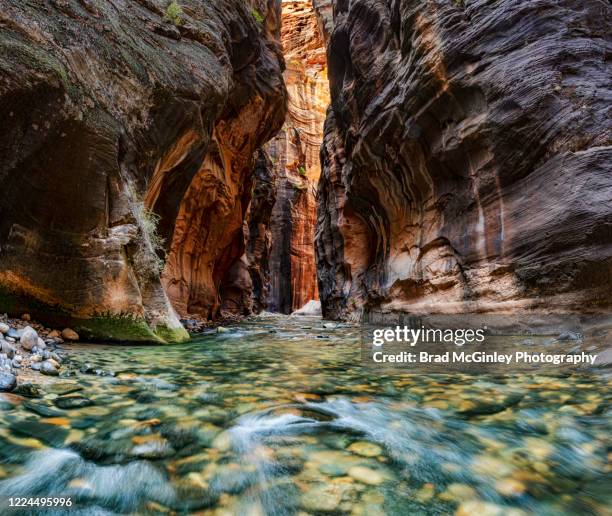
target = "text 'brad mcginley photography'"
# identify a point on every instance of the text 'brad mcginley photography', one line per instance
(417, 349)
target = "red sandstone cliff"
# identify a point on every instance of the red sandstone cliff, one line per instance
(295, 156)
(128, 146)
(466, 162)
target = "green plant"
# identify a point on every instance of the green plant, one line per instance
(149, 258)
(173, 13)
(302, 171)
(257, 15)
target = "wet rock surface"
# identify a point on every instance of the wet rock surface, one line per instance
(466, 161)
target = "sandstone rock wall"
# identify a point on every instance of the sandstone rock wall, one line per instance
(259, 242)
(466, 161)
(129, 134)
(295, 156)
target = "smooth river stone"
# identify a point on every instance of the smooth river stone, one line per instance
(365, 475)
(8, 381)
(365, 449)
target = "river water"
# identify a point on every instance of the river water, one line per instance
(277, 416)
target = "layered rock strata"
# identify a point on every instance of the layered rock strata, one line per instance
(466, 161)
(295, 157)
(128, 149)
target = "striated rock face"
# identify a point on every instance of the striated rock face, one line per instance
(295, 157)
(128, 137)
(259, 240)
(466, 161)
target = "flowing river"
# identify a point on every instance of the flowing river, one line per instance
(277, 416)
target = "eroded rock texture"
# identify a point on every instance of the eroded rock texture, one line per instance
(466, 162)
(259, 241)
(295, 157)
(129, 133)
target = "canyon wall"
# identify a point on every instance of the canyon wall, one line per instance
(127, 156)
(466, 161)
(294, 153)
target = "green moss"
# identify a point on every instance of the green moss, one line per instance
(121, 327)
(257, 15)
(302, 171)
(172, 335)
(37, 58)
(173, 13)
(106, 326)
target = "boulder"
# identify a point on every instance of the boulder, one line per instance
(70, 334)
(8, 381)
(312, 308)
(29, 338)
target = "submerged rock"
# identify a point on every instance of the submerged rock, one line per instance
(156, 449)
(72, 401)
(365, 449)
(366, 475)
(49, 368)
(325, 498)
(28, 390)
(8, 381)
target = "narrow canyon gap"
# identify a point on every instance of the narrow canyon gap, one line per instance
(295, 158)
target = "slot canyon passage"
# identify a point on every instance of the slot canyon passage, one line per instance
(204, 205)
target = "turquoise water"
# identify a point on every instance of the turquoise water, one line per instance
(277, 416)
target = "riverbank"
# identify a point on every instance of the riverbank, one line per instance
(28, 351)
(32, 354)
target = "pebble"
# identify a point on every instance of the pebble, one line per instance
(157, 449)
(324, 497)
(69, 334)
(72, 402)
(491, 467)
(458, 493)
(425, 494)
(49, 368)
(4, 328)
(8, 348)
(366, 475)
(510, 487)
(365, 449)
(480, 508)
(568, 335)
(13, 334)
(8, 381)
